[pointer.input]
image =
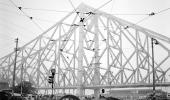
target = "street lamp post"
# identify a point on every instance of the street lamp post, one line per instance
(51, 79)
(153, 41)
(53, 74)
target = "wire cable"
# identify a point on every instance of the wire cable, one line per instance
(147, 17)
(4, 4)
(31, 18)
(49, 10)
(163, 11)
(93, 12)
(16, 25)
(13, 3)
(40, 19)
(72, 4)
(102, 6)
(128, 14)
(112, 6)
(74, 8)
(37, 25)
(12, 12)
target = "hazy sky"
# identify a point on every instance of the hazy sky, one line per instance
(14, 24)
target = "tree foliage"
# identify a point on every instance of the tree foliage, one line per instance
(27, 88)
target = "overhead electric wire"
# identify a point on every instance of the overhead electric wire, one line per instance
(16, 25)
(4, 4)
(112, 6)
(6, 48)
(72, 4)
(145, 18)
(6, 35)
(12, 12)
(46, 20)
(128, 14)
(102, 6)
(152, 13)
(74, 8)
(49, 10)
(31, 18)
(37, 25)
(163, 11)
(12, 30)
(93, 12)
(149, 15)
(10, 37)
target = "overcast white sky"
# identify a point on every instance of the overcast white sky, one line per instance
(13, 24)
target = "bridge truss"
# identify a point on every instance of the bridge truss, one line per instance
(91, 49)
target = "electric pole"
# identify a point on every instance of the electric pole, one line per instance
(15, 61)
(51, 80)
(153, 41)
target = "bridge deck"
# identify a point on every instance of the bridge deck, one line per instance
(167, 84)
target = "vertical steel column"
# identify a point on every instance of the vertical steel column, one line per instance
(74, 80)
(39, 64)
(97, 63)
(64, 77)
(121, 57)
(15, 62)
(153, 68)
(108, 51)
(22, 73)
(80, 55)
(137, 62)
(59, 54)
(148, 65)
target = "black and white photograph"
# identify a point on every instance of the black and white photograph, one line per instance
(84, 49)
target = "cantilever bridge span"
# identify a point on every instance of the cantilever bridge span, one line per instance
(91, 49)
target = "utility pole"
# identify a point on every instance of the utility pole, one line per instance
(15, 61)
(51, 80)
(153, 41)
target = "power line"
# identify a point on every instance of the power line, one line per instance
(147, 17)
(93, 12)
(72, 4)
(4, 4)
(74, 8)
(150, 14)
(37, 25)
(112, 6)
(16, 25)
(102, 6)
(163, 10)
(128, 14)
(11, 12)
(49, 10)
(14, 31)
(46, 20)
(31, 18)
(13, 3)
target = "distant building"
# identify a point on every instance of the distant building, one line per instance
(4, 84)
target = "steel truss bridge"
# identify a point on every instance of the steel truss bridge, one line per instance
(91, 49)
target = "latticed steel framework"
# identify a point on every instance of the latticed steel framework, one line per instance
(91, 49)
